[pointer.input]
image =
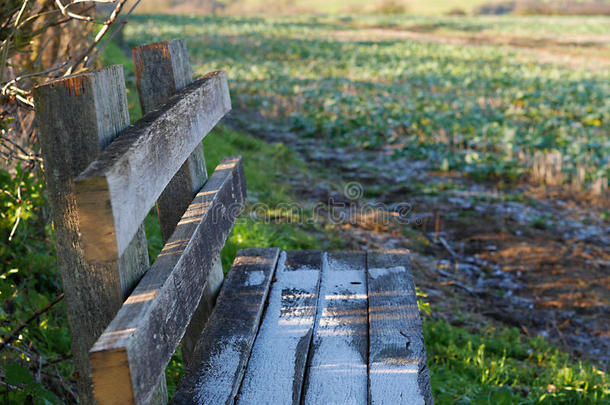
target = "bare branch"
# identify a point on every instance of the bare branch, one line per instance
(9, 339)
(119, 27)
(65, 12)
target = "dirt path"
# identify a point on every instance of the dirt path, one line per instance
(528, 258)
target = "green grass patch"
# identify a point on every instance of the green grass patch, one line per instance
(266, 167)
(499, 366)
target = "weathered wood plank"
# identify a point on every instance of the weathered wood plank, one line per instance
(337, 371)
(152, 321)
(131, 173)
(162, 69)
(77, 118)
(222, 354)
(277, 364)
(397, 356)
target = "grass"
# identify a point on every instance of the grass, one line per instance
(495, 366)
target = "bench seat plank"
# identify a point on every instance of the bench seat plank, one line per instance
(141, 339)
(397, 357)
(277, 364)
(338, 367)
(219, 361)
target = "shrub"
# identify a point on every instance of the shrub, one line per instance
(392, 7)
(456, 12)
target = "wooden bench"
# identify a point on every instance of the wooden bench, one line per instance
(288, 327)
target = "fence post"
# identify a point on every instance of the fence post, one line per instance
(162, 69)
(78, 117)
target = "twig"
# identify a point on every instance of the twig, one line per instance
(65, 12)
(39, 371)
(19, 210)
(120, 26)
(57, 360)
(21, 77)
(458, 284)
(9, 194)
(446, 246)
(437, 226)
(15, 144)
(84, 58)
(21, 327)
(65, 385)
(10, 237)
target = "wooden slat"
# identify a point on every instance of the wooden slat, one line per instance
(397, 357)
(277, 364)
(151, 322)
(78, 117)
(337, 372)
(162, 69)
(132, 172)
(222, 354)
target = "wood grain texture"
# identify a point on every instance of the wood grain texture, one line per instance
(162, 69)
(397, 356)
(337, 371)
(277, 363)
(153, 319)
(131, 173)
(77, 118)
(222, 355)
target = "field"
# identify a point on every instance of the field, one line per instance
(249, 7)
(414, 7)
(488, 138)
(370, 82)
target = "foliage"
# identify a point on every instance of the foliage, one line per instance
(35, 364)
(501, 367)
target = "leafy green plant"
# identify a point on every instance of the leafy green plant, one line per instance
(34, 338)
